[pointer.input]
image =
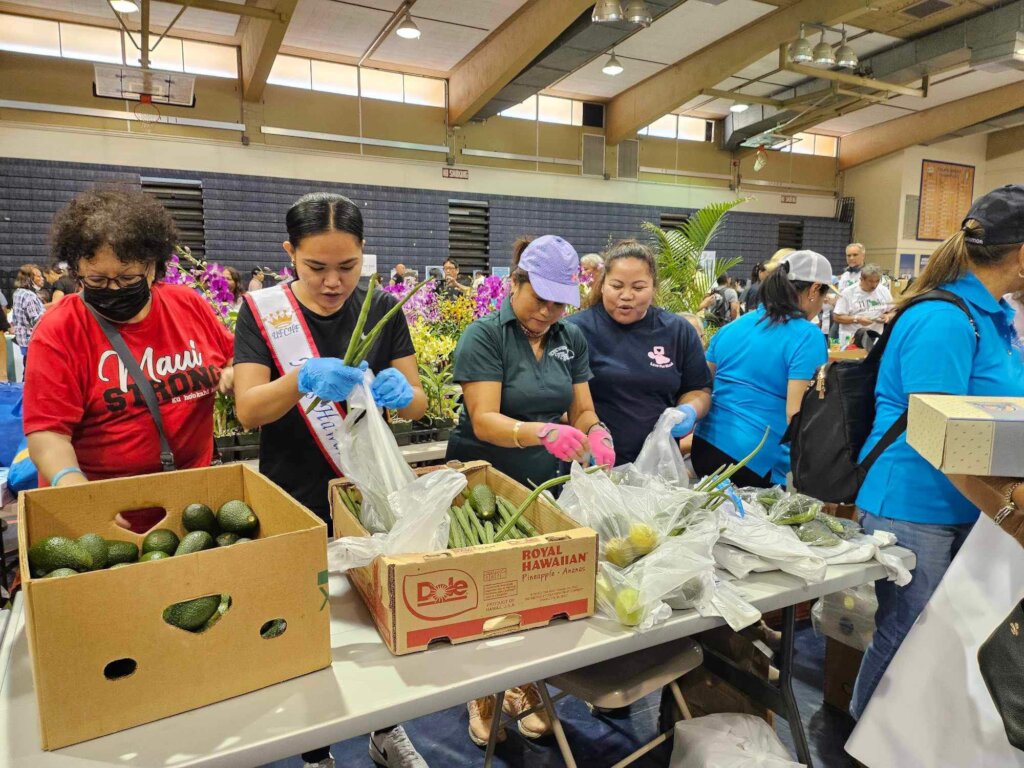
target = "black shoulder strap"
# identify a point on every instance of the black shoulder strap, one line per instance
(145, 386)
(900, 425)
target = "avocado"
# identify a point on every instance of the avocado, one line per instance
(121, 552)
(96, 545)
(55, 552)
(199, 517)
(60, 573)
(119, 565)
(227, 539)
(273, 628)
(196, 541)
(237, 517)
(156, 554)
(483, 501)
(242, 540)
(192, 614)
(160, 540)
(225, 603)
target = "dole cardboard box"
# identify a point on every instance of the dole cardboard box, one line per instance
(967, 435)
(473, 592)
(104, 659)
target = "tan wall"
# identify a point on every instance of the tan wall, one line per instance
(875, 188)
(1005, 158)
(48, 80)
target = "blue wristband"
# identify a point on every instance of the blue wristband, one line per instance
(60, 475)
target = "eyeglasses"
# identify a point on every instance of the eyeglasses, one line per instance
(99, 282)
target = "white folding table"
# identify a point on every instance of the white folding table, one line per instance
(367, 687)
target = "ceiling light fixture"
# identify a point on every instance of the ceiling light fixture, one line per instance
(637, 12)
(846, 57)
(124, 6)
(408, 29)
(823, 54)
(606, 11)
(612, 66)
(739, 107)
(800, 49)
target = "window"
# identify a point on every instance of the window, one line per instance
(291, 71)
(554, 110)
(91, 43)
(427, 91)
(111, 46)
(680, 127)
(378, 84)
(527, 110)
(813, 144)
(24, 35)
(210, 59)
(335, 78)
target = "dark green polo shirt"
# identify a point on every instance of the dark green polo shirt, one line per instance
(494, 348)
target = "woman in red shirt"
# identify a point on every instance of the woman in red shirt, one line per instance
(84, 415)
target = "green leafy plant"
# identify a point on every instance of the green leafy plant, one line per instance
(682, 281)
(442, 394)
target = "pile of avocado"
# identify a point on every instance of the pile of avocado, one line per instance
(57, 556)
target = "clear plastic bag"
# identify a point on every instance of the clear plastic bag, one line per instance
(726, 601)
(728, 740)
(660, 456)
(847, 616)
(370, 457)
(777, 545)
(794, 509)
(421, 524)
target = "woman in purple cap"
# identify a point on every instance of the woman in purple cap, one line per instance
(522, 369)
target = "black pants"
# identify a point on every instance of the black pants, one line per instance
(707, 458)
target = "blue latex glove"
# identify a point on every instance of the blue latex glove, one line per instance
(685, 427)
(730, 490)
(330, 379)
(391, 390)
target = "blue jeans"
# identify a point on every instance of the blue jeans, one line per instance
(899, 607)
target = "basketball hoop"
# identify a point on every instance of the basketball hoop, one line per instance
(146, 111)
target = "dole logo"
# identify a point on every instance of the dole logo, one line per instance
(280, 319)
(439, 594)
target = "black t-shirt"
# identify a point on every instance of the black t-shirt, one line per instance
(289, 454)
(640, 370)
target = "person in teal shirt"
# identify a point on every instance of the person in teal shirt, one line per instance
(522, 369)
(762, 364)
(935, 348)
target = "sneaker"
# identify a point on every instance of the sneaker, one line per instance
(481, 715)
(392, 749)
(318, 758)
(521, 699)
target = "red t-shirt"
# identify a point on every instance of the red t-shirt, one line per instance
(75, 383)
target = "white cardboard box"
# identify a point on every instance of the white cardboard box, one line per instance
(967, 435)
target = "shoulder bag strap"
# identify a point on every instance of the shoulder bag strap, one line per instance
(145, 385)
(900, 425)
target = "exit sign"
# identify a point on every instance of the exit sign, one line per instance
(455, 173)
(789, 198)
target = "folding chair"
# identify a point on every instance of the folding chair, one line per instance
(610, 685)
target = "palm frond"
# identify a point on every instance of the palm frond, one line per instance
(683, 282)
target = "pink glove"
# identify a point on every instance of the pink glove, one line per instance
(601, 447)
(563, 442)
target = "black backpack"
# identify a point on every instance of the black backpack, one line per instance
(720, 312)
(837, 415)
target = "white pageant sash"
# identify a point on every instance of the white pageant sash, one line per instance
(280, 319)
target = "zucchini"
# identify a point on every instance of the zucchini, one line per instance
(816, 534)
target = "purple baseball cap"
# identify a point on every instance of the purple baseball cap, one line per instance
(554, 269)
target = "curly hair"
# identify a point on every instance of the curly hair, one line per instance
(135, 225)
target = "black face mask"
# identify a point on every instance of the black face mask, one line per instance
(119, 305)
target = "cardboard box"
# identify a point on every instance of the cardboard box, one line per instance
(77, 626)
(482, 591)
(969, 435)
(842, 663)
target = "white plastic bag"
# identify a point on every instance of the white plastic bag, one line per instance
(725, 600)
(660, 456)
(371, 459)
(728, 741)
(777, 545)
(739, 562)
(421, 525)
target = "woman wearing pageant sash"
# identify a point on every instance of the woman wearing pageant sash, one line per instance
(289, 341)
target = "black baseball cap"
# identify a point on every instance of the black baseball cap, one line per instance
(1001, 213)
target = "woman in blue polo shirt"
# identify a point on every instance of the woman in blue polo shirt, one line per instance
(935, 349)
(643, 358)
(762, 364)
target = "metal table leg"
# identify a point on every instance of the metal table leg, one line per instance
(492, 741)
(778, 698)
